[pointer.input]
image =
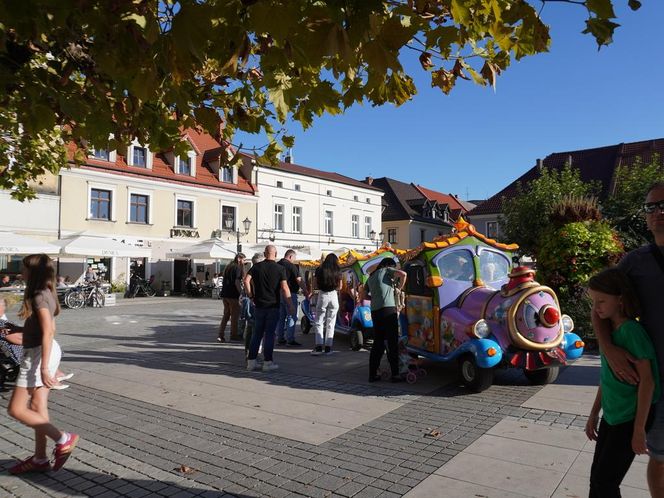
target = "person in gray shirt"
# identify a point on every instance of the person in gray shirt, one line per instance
(645, 267)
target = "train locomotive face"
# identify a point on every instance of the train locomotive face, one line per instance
(534, 319)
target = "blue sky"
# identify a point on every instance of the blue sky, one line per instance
(474, 142)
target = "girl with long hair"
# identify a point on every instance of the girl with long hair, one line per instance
(328, 281)
(627, 409)
(29, 401)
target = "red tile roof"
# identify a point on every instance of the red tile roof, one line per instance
(441, 198)
(314, 173)
(207, 149)
(598, 164)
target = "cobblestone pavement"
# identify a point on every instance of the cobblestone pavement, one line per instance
(132, 448)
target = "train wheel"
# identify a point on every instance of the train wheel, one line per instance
(475, 378)
(356, 340)
(305, 325)
(542, 377)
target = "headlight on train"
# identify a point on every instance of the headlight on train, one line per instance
(568, 323)
(481, 329)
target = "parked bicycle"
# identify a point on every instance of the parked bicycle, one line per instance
(140, 286)
(88, 295)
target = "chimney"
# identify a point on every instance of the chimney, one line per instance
(539, 165)
(569, 159)
(368, 180)
(289, 156)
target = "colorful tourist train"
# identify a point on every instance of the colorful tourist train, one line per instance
(464, 302)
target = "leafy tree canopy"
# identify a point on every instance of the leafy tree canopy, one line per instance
(527, 215)
(96, 69)
(623, 208)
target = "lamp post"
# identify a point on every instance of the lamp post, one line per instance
(229, 222)
(377, 238)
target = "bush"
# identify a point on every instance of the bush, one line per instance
(119, 285)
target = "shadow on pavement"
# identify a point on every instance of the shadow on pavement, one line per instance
(83, 483)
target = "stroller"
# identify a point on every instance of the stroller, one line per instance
(10, 358)
(410, 367)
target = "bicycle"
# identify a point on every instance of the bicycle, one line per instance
(89, 295)
(143, 287)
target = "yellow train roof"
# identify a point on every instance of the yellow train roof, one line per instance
(350, 257)
(463, 231)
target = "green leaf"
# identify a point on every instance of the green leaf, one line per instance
(460, 11)
(602, 8)
(601, 29)
(288, 141)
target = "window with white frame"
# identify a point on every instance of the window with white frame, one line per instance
(492, 229)
(280, 184)
(355, 225)
(100, 204)
(139, 157)
(279, 217)
(102, 154)
(185, 213)
(329, 223)
(184, 165)
(226, 174)
(297, 219)
(367, 227)
(356, 198)
(228, 218)
(392, 235)
(297, 187)
(139, 208)
(329, 193)
(368, 200)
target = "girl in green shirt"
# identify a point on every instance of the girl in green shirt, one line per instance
(626, 409)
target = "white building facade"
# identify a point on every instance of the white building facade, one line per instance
(315, 210)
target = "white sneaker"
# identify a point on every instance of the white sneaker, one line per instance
(251, 365)
(268, 366)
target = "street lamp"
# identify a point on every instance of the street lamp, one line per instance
(230, 222)
(377, 238)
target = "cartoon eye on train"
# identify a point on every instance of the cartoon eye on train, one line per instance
(465, 302)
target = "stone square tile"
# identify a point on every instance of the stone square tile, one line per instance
(523, 430)
(506, 476)
(534, 454)
(436, 485)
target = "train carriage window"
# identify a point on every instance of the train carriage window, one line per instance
(494, 268)
(457, 265)
(416, 281)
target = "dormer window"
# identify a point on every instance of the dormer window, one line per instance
(139, 156)
(226, 174)
(184, 165)
(101, 154)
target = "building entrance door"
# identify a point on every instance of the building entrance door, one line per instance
(180, 271)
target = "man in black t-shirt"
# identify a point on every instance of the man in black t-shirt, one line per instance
(264, 284)
(287, 321)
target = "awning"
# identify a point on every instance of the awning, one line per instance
(208, 249)
(300, 253)
(11, 243)
(98, 246)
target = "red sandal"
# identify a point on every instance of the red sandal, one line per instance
(62, 451)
